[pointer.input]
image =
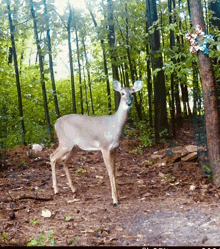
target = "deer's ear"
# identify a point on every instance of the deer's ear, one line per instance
(137, 85)
(116, 85)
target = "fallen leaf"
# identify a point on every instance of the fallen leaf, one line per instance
(46, 213)
(89, 231)
(140, 236)
(99, 177)
(192, 187)
(74, 200)
(147, 194)
(161, 174)
(205, 186)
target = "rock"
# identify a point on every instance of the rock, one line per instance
(156, 157)
(174, 158)
(169, 152)
(189, 157)
(191, 148)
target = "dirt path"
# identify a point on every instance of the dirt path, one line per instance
(153, 210)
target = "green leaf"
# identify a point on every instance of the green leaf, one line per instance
(48, 234)
(4, 235)
(35, 222)
(67, 218)
(34, 242)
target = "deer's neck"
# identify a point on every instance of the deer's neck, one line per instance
(121, 116)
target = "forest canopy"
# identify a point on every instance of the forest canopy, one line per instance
(123, 40)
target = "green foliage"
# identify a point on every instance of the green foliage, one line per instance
(148, 162)
(67, 218)
(145, 141)
(137, 151)
(72, 242)
(4, 235)
(78, 171)
(43, 240)
(135, 41)
(35, 222)
(3, 238)
(208, 170)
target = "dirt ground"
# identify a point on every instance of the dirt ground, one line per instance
(153, 211)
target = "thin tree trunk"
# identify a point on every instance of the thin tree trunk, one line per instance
(210, 102)
(183, 80)
(85, 85)
(71, 60)
(172, 44)
(128, 47)
(41, 72)
(88, 74)
(176, 80)
(20, 106)
(149, 87)
(132, 71)
(51, 61)
(79, 66)
(105, 63)
(111, 40)
(160, 107)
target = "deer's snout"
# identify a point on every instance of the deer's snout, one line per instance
(129, 103)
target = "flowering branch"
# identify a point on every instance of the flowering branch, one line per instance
(199, 35)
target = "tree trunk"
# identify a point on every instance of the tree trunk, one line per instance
(20, 106)
(88, 74)
(172, 80)
(105, 63)
(209, 92)
(137, 105)
(71, 60)
(160, 105)
(79, 67)
(149, 87)
(85, 85)
(111, 40)
(215, 21)
(41, 72)
(51, 61)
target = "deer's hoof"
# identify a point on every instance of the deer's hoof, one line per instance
(115, 204)
(56, 191)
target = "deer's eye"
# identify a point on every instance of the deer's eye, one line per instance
(122, 94)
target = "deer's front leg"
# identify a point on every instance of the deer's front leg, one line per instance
(53, 162)
(109, 159)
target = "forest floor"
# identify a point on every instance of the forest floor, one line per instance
(161, 204)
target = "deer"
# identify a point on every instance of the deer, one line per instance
(99, 133)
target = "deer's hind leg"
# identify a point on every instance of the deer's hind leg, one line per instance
(59, 153)
(67, 158)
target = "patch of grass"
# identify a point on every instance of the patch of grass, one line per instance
(78, 171)
(35, 222)
(66, 218)
(43, 240)
(72, 242)
(4, 236)
(208, 170)
(173, 179)
(137, 151)
(148, 162)
(145, 141)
